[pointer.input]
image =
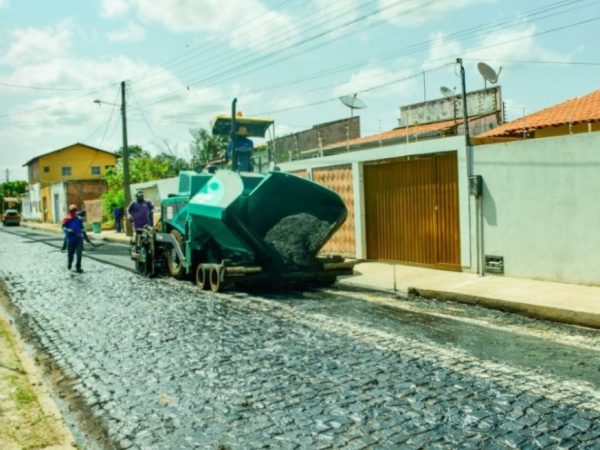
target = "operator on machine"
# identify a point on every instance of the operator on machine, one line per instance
(242, 160)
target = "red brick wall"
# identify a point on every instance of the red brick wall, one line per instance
(78, 191)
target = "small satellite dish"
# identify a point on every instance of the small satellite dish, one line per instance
(352, 102)
(446, 91)
(488, 73)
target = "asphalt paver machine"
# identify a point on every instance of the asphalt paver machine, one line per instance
(232, 230)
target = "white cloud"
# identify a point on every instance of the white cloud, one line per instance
(416, 12)
(387, 82)
(503, 46)
(441, 50)
(132, 33)
(287, 102)
(113, 8)
(46, 120)
(331, 14)
(248, 24)
(514, 44)
(38, 44)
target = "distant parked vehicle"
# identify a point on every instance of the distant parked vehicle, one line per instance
(11, 217)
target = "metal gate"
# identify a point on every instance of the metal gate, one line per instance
(339, 179)
(412, 210)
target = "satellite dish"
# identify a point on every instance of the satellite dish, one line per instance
(352, 102)
(488, 73)
(446, 91)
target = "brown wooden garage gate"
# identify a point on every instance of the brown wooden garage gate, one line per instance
(412, 213)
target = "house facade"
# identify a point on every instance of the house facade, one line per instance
(65, 176)
(521, 207)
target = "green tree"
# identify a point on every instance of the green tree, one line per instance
(135, 151)
(205, 147)
(142, 167)
(12, 189)
(175, 164)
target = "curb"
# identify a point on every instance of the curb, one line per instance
(526, 309)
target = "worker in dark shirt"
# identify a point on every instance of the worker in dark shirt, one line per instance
(117, 213)
(140, 211)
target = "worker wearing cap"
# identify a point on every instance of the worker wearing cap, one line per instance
(243, 151)
(140, 211)
(74, 230)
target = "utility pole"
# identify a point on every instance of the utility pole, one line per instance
(7, 175)
(465, 118)
(128, 228)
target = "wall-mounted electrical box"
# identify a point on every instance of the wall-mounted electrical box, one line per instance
(475, 185)
(494, 264)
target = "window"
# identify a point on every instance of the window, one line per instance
(95, 170)
(66, 171)
(46, 169)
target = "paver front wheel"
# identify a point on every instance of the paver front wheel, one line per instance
(176, 267)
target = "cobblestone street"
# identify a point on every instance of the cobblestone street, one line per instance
(159, 364)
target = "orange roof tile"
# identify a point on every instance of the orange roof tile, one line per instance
(577, 110)
(397, 133)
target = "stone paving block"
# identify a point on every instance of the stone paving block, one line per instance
(247, 371)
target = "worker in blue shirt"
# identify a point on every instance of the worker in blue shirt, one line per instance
(243, 151)
(74, 230)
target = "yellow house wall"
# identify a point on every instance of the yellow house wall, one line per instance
(79, 158)
(564, 129)
(46, 204)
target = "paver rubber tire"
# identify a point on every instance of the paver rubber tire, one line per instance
(214, 278)
(327, 281)
(144, 262)
(176, 267)
(202, 277)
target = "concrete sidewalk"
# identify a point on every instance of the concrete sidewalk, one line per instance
(562, 302)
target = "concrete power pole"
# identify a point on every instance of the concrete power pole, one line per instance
(128, 227)
(466, 119)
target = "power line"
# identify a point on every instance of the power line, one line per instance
(464, 34)
(413, 48)
(70, 99)
(563, 27)
(265, 39)
(43, 88)
(372, 88)
(251, 63)
(89, 136)
(112, 111)
(534, 61)
(176, 61)
(472, 51)
(144, 116)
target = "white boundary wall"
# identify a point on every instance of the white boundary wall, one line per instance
(541, 207)
(59, 210)
(31, 203)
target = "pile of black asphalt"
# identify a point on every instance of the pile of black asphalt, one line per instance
(298, 238)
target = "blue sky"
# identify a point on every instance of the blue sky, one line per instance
(185, 60)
